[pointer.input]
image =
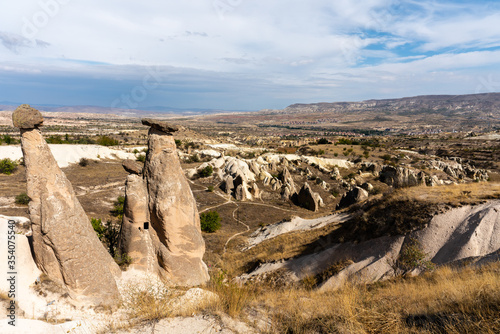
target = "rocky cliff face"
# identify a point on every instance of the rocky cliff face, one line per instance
(65, 245)
(161, 228)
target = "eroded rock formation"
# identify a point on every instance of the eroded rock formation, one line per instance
(353, 196)
(308, 198)
(65, 246)
(161, 215)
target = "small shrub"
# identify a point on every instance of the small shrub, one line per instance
(84, 162)
(8, 140)
(141, 158)
(22, 199)
(386, 157)
(118, 207)
(412, 257)
(108, 234)
(107, 141)
(210, 221)
(123, 260)
(206, 172)
(8, 166)
(210, 189)
(178, 143)
(193, 158)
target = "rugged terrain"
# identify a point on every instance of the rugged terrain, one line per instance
(337, 223)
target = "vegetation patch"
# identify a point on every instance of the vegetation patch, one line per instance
(108, 233)
(22, 199)
(210, 221)
(206, 172)
(8, 166)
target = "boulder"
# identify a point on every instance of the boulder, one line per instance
(228, 185)
(400, 177)
(433, 181)
(367, 186)
(356, 195)
(241, 193)
(309, 199)
(160, 125)
(218, 163)
(65, 245)
(175, 222)
(255, 191)
(132, 167)
(287, 181)
(25, 117)
(335, 175)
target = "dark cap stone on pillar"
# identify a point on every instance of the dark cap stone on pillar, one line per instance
(25, 117)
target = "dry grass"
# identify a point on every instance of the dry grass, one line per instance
(451, 194)
(465, 300)
(149, 303)
(233, 298)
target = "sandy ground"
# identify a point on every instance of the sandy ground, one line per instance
(66, 154)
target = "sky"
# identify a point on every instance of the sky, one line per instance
(244, 54)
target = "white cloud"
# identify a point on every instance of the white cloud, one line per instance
(316, 45)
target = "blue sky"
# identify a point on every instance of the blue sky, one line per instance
(244, 54)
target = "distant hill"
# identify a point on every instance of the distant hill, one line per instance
(441, 104)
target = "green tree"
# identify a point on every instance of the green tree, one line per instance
(108, 234)
(206, 172)
(210, 221)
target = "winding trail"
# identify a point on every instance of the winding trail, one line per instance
(237, 234)
(228, 200)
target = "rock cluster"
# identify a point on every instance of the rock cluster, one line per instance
(459, 170)
(309, 199)
(400, 177)
(161, 229)
(356, 195)
(65, 246)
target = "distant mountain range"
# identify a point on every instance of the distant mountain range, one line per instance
(443, 104)
(446, 105)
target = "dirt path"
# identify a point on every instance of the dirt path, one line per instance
(229, 200)
(237, 234)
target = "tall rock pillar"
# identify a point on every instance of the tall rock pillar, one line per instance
(173, 214)
(65, 246)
